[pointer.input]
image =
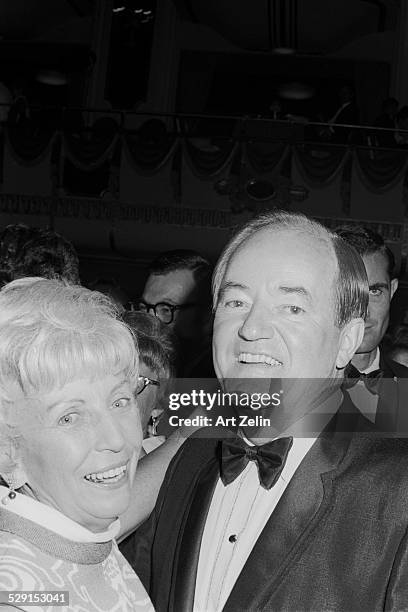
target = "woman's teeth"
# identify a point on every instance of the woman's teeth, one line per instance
(109, 476)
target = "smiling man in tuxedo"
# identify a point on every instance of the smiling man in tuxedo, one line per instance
(307, 513)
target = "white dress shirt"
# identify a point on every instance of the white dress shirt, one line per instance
(237, 515)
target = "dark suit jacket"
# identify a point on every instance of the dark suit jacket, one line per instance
(392, 409)
(392, 368)
(336, 541)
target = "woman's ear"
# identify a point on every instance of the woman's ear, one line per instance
(351, 337)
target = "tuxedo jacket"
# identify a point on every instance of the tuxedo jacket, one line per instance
(392, 409)
(336, 541)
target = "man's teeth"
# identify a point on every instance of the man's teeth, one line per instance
(108, 476)
(259, 358)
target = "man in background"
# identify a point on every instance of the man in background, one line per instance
(178, 292)
(371, 359)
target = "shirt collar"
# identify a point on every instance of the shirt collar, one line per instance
(54, 520)
(375, 364)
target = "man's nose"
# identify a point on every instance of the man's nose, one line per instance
(151, 310)
(368, 318)
(109, 434)
(258, 324)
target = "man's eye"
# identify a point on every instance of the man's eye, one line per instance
(375, 292)
(234, 303)
(295, 310)
(68, 419)
(121, 403)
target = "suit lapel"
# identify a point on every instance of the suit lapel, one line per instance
(300, 509)
(389, 409)
(191, 532)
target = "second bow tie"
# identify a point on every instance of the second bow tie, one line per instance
(270, 459)
(371, 380)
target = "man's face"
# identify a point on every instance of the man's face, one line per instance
(382, 289)
(275, 315)
(175, 288)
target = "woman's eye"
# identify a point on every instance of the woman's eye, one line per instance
(122, 402)
(68, 419)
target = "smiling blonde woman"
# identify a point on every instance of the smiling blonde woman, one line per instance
(70, 436)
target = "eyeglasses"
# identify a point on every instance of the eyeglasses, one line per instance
(143, 382)
(162, 310)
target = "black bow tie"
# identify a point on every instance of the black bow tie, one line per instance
(371, 380)
(270, 457)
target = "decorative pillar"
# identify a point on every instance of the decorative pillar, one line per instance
(399, 73)
(164, 64)
(100, 48)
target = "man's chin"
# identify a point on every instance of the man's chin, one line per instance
(251, 386)
(366, 348)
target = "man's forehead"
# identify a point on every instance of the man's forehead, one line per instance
(287, 261)
(376, 265)
(288, 249)
(173, 284)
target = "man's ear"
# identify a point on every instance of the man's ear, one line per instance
(351, 337)
(393, 287)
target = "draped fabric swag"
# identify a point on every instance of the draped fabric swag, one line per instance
(151, 147)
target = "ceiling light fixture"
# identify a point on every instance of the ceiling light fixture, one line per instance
(282, 26)
(296, 91)
(51, 77)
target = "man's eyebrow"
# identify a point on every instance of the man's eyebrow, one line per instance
(230, 285)
(379, 286)
(296, 290)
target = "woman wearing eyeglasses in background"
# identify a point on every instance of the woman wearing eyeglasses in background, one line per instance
(157, 346)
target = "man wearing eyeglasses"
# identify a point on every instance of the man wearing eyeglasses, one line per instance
(178, 292)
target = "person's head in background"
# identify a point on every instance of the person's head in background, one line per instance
(157, 346)
(346, 94)
(12, 239)
(109, 287)
(379, 263)
(178, 292)
(390, 107)
(39, 252)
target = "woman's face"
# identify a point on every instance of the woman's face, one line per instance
(79, 446)
(147, 399)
